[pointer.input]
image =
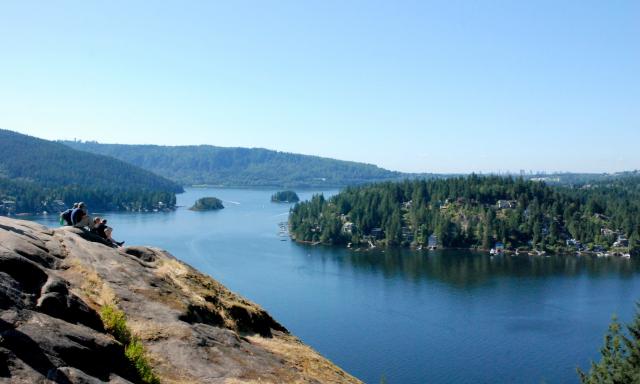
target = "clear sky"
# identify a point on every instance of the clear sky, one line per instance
(420, 86)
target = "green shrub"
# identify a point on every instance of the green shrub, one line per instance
(115, 322)
(135, 353)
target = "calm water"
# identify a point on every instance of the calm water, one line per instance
(410, 317)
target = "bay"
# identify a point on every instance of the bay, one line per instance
(405, 316)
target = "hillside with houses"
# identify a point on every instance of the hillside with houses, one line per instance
(501, 214)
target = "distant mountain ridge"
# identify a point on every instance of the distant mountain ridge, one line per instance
(36, 173)
(221, 166)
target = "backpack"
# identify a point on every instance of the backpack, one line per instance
(65, 217)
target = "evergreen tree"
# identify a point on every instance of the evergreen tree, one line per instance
(620, 356)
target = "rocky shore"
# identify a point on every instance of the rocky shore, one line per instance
(56, 283)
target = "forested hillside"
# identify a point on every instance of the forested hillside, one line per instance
(39, 175)
(476, 211)
(205, 164)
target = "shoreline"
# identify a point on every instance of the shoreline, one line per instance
(528, 252)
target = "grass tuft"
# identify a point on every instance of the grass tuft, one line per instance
(115, 322)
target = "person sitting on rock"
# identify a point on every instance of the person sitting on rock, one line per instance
(79, 216)
(99, 228)
(65, 217)
(107, 232)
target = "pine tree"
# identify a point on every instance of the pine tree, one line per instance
(620, 361)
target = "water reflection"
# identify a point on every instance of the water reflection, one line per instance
(464, 268)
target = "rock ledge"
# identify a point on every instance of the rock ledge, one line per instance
(53, 283)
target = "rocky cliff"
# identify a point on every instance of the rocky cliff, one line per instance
(59, 289)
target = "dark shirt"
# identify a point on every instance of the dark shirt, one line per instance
(76, 215)
(99, 230)
(66, 216)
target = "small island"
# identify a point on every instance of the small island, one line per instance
(207, 204)
(285, 197)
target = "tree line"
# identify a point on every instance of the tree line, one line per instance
(206, 164)
(474, 211)
(37, 175)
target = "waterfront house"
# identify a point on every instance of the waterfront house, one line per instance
(407, 234)
(377, 233)
(432, 242)
(621, 242)
(8, 206)
(56, 206)
(347, 228)
(506, 204)
(574, 243)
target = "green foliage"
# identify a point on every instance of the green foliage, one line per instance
(285, 197)
(207, 204)
(34, 173)
(205, 164)
(473, 211)
(115, 322)
(135, 353)
(620, 356)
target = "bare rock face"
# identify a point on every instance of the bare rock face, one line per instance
(194, 330)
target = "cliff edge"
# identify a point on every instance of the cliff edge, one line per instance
(56, 286)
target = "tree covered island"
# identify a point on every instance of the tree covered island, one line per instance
(477, 212)
(285, 197)
(207, 204)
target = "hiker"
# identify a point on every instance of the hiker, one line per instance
(99, 228)
(79, 216)
(107, 231)
(65, 217)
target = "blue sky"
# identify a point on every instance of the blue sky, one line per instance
(420, 86)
